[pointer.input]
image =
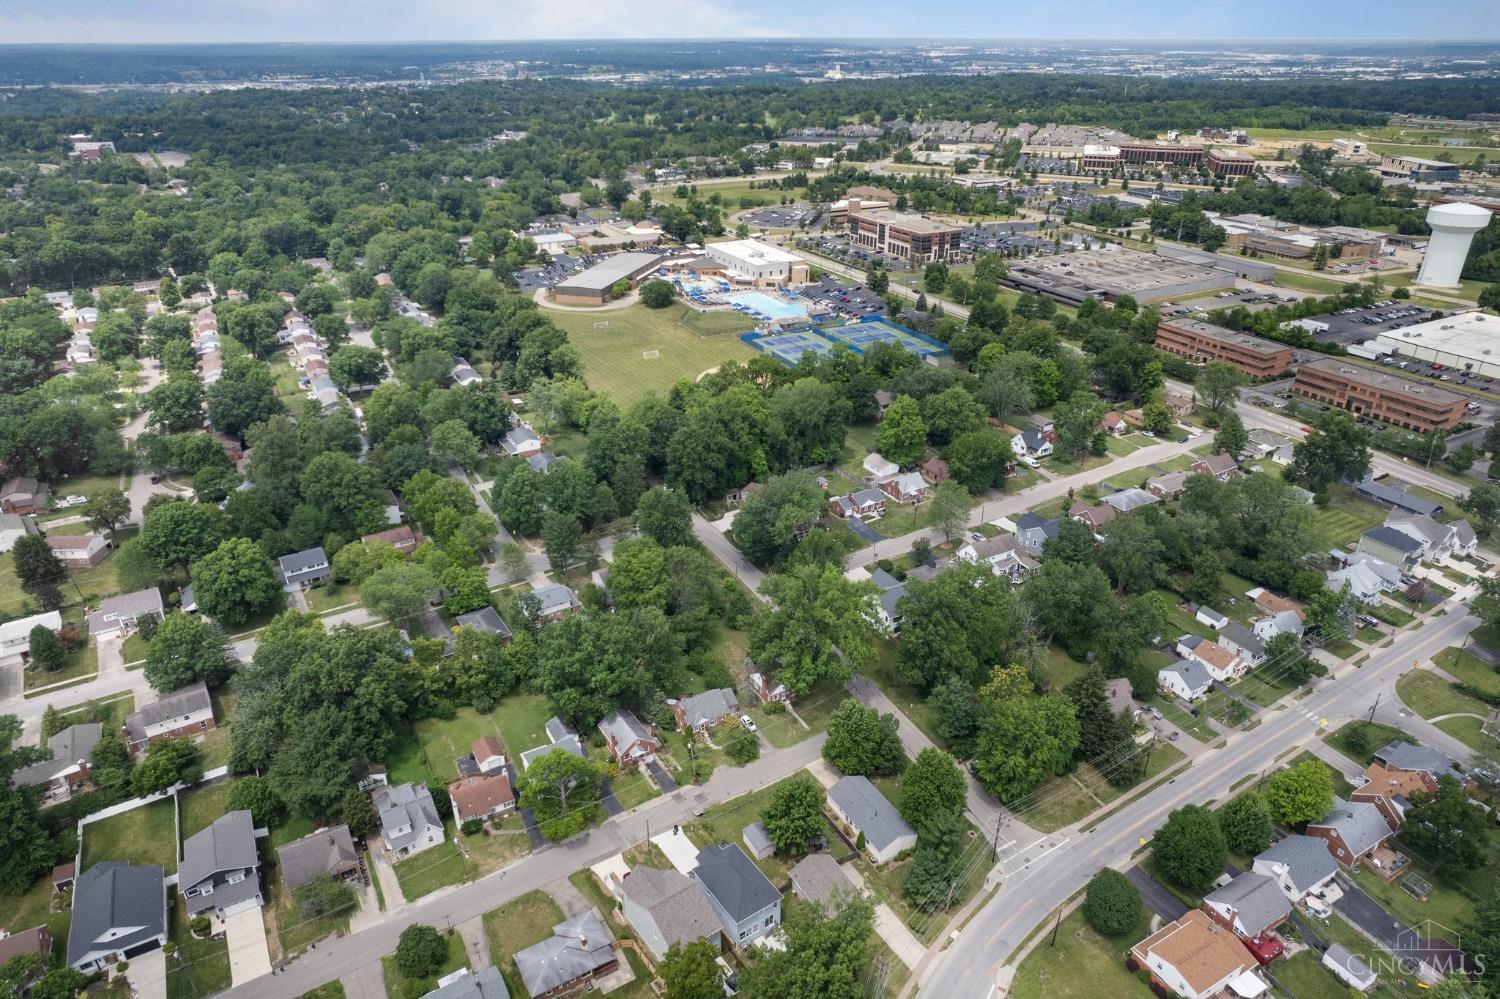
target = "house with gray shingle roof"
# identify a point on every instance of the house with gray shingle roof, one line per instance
(68, 768)
(409, 821)
(819, 878)
(579, 950)
(628, 739)
(487, 983)
(859, 806)
(705, 711)
(1390, 545)
(559, 736)
(1242, 642)
(220, 867)
(1349, 968)
(1301, 865)
(557, 601)
(119, 912)
(116, 616)
(1249, 905)
(1401, 755)
(299, 570)
(185, 713)
(1352, 830)
(327, 851)
(667, 907)
(747, 904)
(487, 620)
(1186, 678)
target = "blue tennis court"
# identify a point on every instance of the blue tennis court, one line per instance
(789, 347)
(867, 332)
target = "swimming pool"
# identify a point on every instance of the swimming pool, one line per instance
(767, 306)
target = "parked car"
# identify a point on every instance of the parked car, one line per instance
(748, 722)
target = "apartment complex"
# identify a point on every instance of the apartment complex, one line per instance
(1203, 342)
(898, 234)
(1391, 398)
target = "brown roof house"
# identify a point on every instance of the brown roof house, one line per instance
(1197, 959)
(1221, 466)
(403, 538)
(482, 796)
(1400, 770)
(23, 495)
(935, 470)
(630, 742)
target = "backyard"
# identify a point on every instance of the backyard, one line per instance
(203, 804)
(1080, 962)
(726, 823)
(516, 925)
(144, 835)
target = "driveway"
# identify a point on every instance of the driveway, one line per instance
(660, 776)
(390, 886)
(865, 531)
(148, 975)
(679, 850)
(111, 656)
(1365, 913)
(249, 957)
(366, 982)
(1157, 898)
(609, 801)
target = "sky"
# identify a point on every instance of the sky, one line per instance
(123, 21)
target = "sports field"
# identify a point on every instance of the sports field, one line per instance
(645, 349)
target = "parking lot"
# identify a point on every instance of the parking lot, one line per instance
(558, 269)
(796, 216)
(851, 301)
(1358, 325)
(840, 247)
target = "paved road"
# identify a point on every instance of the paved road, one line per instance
(721, 548)
(969, 966)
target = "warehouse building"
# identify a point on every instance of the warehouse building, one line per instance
(1250, 270)
(1468, 341)
(1203, 342)
(1226, 162)
(1113, 271)
(1396, 400)
(750, 261)
(902, 235)
(593, 286)
(1415, 170)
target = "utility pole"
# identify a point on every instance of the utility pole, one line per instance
(1056, 925)
(1373, 707)
(995, 843)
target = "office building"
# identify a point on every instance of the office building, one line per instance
(1225, 162)
(901, 235)
(1415, 170)
(1392, 398)
(1203, 342)
(1161, 153)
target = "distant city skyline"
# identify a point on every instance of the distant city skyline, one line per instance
(165, 21)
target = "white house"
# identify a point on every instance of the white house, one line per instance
(1032, 442)
(14, 527)
(879, 467)
(1185, 679)
(1222, 664)
(15, 637)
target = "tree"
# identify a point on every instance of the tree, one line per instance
(1483, 503)
(1133, 554)
(932, 786)
(176, 405)
(421, 951)
(656, 294)
(935, 871)
(26, 845)
(1022, 742)
(1337, 450)
(820, 626)
(957, 625)
(953, 702)
(562, 791)
(185, 649)
(949, 509)
(244, 396)
(1246, 824)
(689, 970)
(513, 561)
(1072, 603)
(1486, 606)
(1190, 849)
(1300, 794)
(106, 509)
(353, 366)
(951, 412)
(179, 533)
(47, 652)
(771, 520)
(979, 459)
(35, 562)
(399, 592)
(665, 515)
(357, 813)
(793, 815)
(1112, 904)
(235, 582)
(562, 538)
(1076, 421)
(1231, 438)
(452, 441)
(257, 796)
(742, 746)
(862, 741)
(826, 956)
(902, 436)
(1218, 385)
(1482, 936)
(1447, 829)
(167, 762)
(1100, 729)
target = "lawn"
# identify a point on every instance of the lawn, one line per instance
(432, 869)
(1429, 695)
(781, 729)
(1376, 735)
(725, 823)
(516, 925)
(614, 358)
(322, 599)
(497, 846)
(1347, 516)
(398, 986)
(1468, 668)
(202, 805)
(110, 712)
(1081, 963)
(1061, 801)
(522, 721)
(443, 740)
(133, 649)
(145, 835)
(886, 675)
(290, 932)
(198, 968)
(328, 990)
(1303, 973)
(78, 665)
(34, 907)
(1470, 732)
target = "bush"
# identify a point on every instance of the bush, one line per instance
(200, 926)
(656, 294)
(1113, 904)
(421, 951)
(742, 746)
(472, 827)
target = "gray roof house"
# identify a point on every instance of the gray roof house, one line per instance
(487, 620)
(220, 867)
(409, 821)
(556, 600)
(118, 615)
(559, 736)
(300, 570)
(1242, 642)
(1186, 678)
(1249, 905)
(1399, 498)
(1301, 865)
(819, 878)
(704, 711)
(667, 907)
(119, 911)
(857, 804)
(1391, 545)
(579, 950)
(1033, 531)
(487, 983)
(1352, 830)
(747, 904)
(1349, 968)
(1127, 500)
(68, 769)
(628, 739)
(327, 851)
(1401, 755)
(188, 712)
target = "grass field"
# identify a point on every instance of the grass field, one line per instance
(687, 345)
(1064, 800)
(1375, 736)
(398, 986)
(1347, 516)
(433, 869)
(202, 805)
(1429, 695)
(444, 740)
(199, 968)
(516, 925)
(1081, 963)
(146, 835)
(293, 931)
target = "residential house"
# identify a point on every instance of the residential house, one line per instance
(116, 616)
(220, 867)
(1126, 500)
(1002, 553)
(667, 907)
(1114, 424)
(521, 442)
(1180, 405)
(1221, 466)
(1092, 517)
(1400, 770)
(76, 550)
(409, 821)
(15, 637)
(559, 736)
(1243, 642)
(1031, 442)
(1349, 968)
(487, 620)
(819, 878)
(580, 950)
(1465, 541)
(557, 602)
(864, 811)
(878, 467)
(24, 495)
(1222, 664)
(1437, 540)
(1168, 486)
(934, 469)
(1352, 830)
(404, 538)
(327, 851)
(747, 904)
(1043, 425)
(1263, 443)
(1398, 496)
(883, 400)
(907, 487)
(37, 940)
(482, 796)
(304, 569)
(1300, 865)
(67, 769)
(485, 755)
(767, 688)
(1250, 905)
(866, 504)
(14, 527)
(706, 711)
(1400, 756)
(887, 606)
(1185, 678)
(119, 912)
(628, 739)
(463, 374)
(1033, 531)
(1274, 603)
(543, 462)
(757, 841)
(1195, 958)
(486, 983)
(183, 714)
(1390, 545)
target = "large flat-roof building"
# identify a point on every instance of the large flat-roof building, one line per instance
(1203, 342)
(1112, 271)
(593, 286)
(1416, 170)
(1161, 152)
(1469, 341)
(902, 235)
(1392, 398)
(750, 261)
(1226, 162)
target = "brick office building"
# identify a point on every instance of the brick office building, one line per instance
(1397, 400)
(1203, 342)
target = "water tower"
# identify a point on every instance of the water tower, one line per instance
(1453, 229)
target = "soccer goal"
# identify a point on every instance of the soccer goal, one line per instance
(602, 324)
(650, 355)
